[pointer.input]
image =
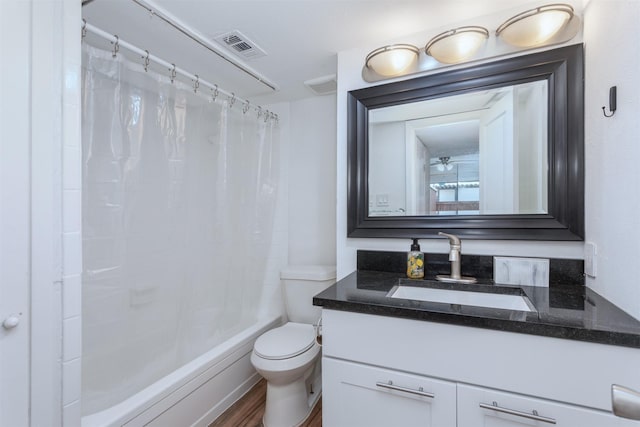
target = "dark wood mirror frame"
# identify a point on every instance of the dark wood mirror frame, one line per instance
(563, 69)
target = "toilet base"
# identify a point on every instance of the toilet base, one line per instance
(289, 405)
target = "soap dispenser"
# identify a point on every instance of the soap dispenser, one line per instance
(415, 262)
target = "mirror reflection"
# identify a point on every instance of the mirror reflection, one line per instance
(478, 153)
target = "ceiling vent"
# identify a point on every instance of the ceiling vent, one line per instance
(240, 44)
(323, 85)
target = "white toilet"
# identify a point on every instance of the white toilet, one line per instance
(288, 357)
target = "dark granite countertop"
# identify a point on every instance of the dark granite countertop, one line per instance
(561, 311)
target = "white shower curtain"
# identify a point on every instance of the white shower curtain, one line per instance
(178, 198)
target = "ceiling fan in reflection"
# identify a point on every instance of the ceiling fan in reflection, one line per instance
(446, 163)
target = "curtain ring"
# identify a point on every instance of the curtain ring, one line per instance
(259, 112)
(232, 100)
(83, 33)
(215, 93)
(116, 46)
(267, 116)
(146, 61)
(196, 84)
(172, 76)
(246, 107)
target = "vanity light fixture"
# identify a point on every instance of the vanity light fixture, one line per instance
(536, 26)
(392, 60)
(457, 45)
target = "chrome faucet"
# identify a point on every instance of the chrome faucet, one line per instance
(455, 246)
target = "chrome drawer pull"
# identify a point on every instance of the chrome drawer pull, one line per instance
(533, 416)
(419, 392)
(625, 402)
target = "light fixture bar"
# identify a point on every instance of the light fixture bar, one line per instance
(544, 25)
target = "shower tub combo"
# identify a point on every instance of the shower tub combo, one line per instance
(195, 394)
(178, 202)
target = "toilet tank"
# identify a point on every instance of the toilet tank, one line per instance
(300, 283)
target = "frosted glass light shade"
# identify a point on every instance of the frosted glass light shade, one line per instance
(536, 26)
(392, 60)
(456, 45)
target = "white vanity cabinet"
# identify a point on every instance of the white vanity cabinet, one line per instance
(566, 382)
(361, 395)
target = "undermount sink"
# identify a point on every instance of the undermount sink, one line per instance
(463, 297)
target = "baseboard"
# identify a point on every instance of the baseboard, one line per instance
(228, 401)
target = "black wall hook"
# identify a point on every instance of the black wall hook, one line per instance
(612, 101)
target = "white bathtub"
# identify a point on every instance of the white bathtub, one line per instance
(195, 394)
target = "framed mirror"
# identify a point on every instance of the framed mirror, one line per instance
(494, 151)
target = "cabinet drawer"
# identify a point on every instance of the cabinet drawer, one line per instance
(362, 395)
(479, 406)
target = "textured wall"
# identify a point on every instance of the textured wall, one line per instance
(612, 148)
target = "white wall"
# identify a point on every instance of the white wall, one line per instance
(312, 181)
(349, 73)
(613, 148)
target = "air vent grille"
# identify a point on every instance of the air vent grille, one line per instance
(323, 85)
(232, 39)
(240, 44)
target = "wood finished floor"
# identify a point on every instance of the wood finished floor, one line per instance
(248, 411)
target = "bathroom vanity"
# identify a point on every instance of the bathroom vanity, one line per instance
(405, 362)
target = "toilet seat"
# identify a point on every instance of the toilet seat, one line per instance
(285, 342)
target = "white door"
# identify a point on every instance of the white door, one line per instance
(15, 171)
(421, 179)
(498, 173)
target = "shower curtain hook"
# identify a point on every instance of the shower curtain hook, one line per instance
(173, 73)
(146, 61)
(259, 110)
(215, 93)
(196, 84)
(267, 116)
(232, 100)
(83, 34)
(116, 46)
(246, 107)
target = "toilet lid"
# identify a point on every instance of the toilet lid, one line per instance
(285, 342)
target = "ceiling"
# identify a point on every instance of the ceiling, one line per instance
(301, 38)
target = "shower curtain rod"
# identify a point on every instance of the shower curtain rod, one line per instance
(176, 24)
(174, 70)
(172, 21)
